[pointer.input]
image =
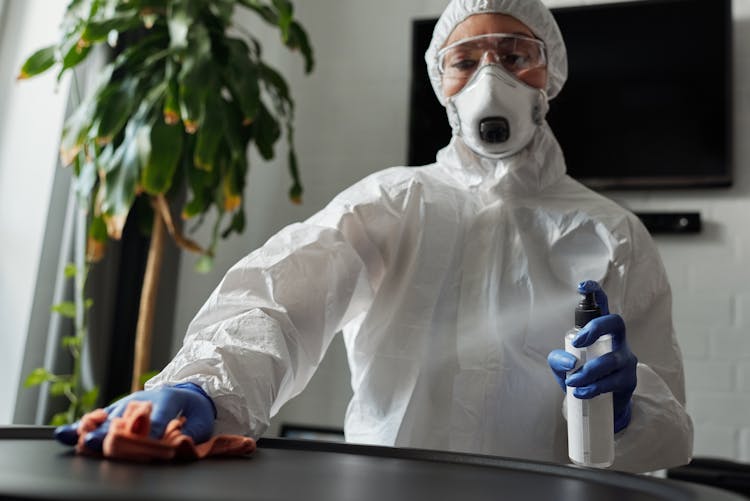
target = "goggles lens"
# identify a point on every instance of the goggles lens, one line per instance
(516, 53)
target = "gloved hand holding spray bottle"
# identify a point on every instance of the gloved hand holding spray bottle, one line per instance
(597, 371)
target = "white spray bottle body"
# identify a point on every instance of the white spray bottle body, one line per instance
(590, 421)
(591, 439)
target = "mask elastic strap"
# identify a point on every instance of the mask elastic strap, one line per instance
(540, 108)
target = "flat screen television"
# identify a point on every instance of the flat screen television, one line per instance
(647, 103)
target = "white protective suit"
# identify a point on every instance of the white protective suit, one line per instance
(451, 282)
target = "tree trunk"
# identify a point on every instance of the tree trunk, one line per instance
(147, 308)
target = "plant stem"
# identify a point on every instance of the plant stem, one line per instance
(147, 307)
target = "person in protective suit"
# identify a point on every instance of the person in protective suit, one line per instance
(453, 284)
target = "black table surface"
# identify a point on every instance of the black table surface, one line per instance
(34, 466)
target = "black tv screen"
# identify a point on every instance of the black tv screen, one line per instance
(647, 103)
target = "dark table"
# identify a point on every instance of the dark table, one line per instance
(34, 466)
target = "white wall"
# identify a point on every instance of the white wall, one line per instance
(31, 114)
(710, 276)
(352, 120)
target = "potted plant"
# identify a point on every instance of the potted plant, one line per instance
(170, 121)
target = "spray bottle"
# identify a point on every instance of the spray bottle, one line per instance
(590, 421)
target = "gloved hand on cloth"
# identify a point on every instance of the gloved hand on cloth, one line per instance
(167, 423)
(613, 372)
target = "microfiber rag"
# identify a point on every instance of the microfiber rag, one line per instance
(128, 438)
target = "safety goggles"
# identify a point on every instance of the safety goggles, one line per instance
(516, 53)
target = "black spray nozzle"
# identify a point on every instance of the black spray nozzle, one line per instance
(586, 310)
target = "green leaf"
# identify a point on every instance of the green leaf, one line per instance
(133, 58)
(237, 170)
(39, 62)
(264, 11)
(223, 9)
(59, 388)
(209, 135)
(200, 194)
(237, 225)
(180, 17)
(106, 9)
(98, 229)
(109, 158)
(161, 164)
(275, 82)
(295, 192)
(95, 32)
(70, 270)
(67, 309)
(78, 124)
(73, 57)
(171, 111)
(60, 419)
(197, 205)
(204, 264)
(237, 136)
(97, 238)
(201, 186)
(88, 399)
(114, 107)
(195, 78)
(146, 376)
(284, 8)
(86, 179)
(75, 131)
(298, 40)
(37, 377)
(267, 132)
(191, 105)
(241, 76)
(228, 193)
(150, 107)
(178, 30)
(121, 182)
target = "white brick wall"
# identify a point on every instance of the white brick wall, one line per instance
(719, 408)
(717, 441)
(743, 376)
(742, 306)
(712, 376)
(710, 275)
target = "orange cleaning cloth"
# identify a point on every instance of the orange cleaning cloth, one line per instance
(128, 438)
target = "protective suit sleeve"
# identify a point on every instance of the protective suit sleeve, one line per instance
(259, 337)
(660, 433)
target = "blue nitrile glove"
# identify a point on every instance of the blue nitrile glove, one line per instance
(613, 372)
(184, 399)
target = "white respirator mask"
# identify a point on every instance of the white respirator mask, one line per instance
(496, 114)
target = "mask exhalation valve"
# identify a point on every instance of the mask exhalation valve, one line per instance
(494, 130)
